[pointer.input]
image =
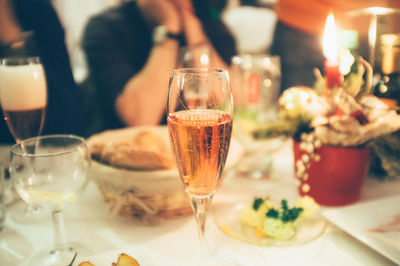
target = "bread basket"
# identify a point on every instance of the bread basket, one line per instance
(145, 195)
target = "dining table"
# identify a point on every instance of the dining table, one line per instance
(103, 236)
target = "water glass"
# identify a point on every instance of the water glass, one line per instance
(256, 84)
(51, 172)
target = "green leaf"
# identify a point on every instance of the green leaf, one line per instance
(387, 148)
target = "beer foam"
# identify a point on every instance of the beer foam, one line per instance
(22, 87)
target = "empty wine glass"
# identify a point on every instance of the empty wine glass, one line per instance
(23, 99)
(51, 172)
(200, 110)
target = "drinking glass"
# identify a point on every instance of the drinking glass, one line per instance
(23, 95)
(193, 56)
(51, 172)
(23, 99)
(256, 82)
(200, 111)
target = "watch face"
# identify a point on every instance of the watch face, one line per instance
(159, 34)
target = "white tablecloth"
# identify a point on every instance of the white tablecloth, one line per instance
(174, 242)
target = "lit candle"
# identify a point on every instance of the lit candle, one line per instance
(330, 49)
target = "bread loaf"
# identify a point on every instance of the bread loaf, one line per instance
(144, 148)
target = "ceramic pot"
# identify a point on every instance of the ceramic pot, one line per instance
(338, 177)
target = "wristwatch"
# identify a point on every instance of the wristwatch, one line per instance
(161, 33)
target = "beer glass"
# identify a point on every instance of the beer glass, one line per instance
(23, 100)
(23, 95)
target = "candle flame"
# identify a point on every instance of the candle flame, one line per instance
(330, 40)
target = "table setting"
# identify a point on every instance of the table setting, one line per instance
(173, 241)
(230, 180)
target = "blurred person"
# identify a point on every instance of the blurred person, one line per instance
(298, 34)
(46, 40)
(132, 48)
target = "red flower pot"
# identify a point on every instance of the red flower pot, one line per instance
(337, 178)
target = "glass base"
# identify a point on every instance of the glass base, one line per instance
(254, 167)
(60, 257)
(23, 213)
(15, 249)
(257, 161)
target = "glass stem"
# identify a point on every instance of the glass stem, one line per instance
(60, 240)
(200, 206)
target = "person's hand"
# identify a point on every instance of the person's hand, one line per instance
(191, 24)
(183, 5)
(161, 12)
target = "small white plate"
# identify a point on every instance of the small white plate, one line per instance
(226, 217)
(375, 223)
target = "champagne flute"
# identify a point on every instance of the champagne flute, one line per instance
(200, 110)
(50, 172)
(23, 99)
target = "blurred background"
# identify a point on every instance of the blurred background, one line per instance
(250, 21)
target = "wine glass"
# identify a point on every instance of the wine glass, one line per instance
(23, 99)
(200, 110)
(51, 172)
